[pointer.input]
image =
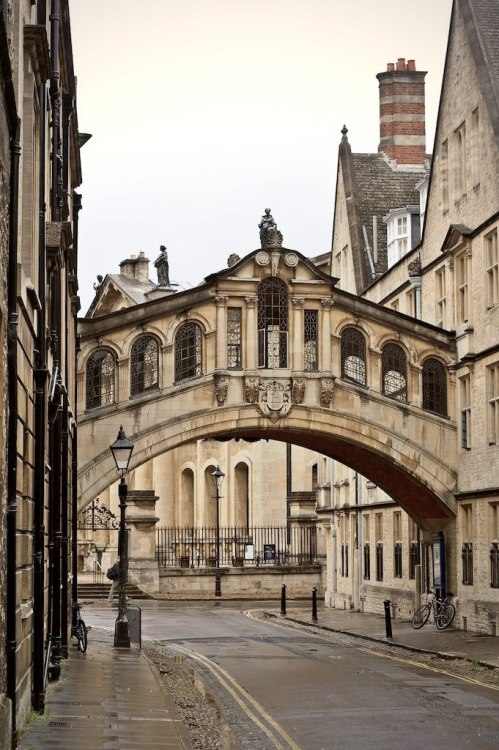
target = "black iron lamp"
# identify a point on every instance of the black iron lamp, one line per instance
(122, 450)
(218, 477)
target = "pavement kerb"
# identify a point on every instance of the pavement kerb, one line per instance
(169, 701)
(385, 641)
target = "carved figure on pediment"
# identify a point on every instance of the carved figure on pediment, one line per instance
(251, 390)
(221, 388)
(298, 390)
(327, 387)
(233, 259)
(270, 236)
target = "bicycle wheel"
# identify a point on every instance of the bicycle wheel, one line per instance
(445, 617)
(81, 635)
(421, 616)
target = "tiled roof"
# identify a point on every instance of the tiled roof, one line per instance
(136, 290)
(379, 188)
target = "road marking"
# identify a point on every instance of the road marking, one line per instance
(294, 625)
(431, 668)
(242, 698)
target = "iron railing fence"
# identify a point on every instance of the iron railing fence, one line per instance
(196, 547)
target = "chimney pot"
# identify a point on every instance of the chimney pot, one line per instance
(401, 63)
(390, 67)
(411, 65)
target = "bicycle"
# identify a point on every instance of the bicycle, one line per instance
(443, 612)
(79, 629)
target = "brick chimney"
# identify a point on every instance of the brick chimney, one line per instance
(402, 113)
(136, 267)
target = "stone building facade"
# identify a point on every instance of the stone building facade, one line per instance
(39, 173)
(450, 279)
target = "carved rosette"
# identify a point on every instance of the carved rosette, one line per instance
(274, 398)
(327, 387)
(251, 386)
(221, 387)
(291, 259)
(298, 390)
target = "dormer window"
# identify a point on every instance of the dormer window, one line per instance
(402, 230)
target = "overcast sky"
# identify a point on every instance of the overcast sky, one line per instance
(205, 112)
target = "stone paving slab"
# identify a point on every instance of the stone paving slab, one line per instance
(107, 699)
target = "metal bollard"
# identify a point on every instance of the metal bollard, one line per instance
(283, 599)
(314, 604)
(388, 618)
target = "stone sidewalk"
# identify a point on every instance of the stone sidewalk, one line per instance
(451, 643)
(107, 699)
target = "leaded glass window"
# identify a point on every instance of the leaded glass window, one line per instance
(188, 352)
(100, 379)
(435, 387)
(394, 372)
(234, 337)
(353, 356)
(144, 365)
(310, 343)
(272, 323)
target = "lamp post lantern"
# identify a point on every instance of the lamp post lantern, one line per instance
(218, 478)
(122, 450)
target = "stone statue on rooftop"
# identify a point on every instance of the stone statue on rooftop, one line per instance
(161, 264)
(270, 236)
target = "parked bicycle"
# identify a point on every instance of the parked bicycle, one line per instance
(442, 608)
(79, 629)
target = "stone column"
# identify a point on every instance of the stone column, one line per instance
(141, 524)
(123, 385)
(221, 341)
(297, 351)
(325, 364)
(251, 333)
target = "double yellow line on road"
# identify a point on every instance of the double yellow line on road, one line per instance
(254, 711)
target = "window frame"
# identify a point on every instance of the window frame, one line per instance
(192, 352)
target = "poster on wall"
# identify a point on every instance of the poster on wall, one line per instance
(249, 551)
(269, 552)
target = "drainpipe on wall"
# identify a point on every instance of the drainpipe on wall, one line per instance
(74, 431)
(11, 532)
(41, 646)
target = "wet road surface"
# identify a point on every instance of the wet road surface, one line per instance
(296, 689)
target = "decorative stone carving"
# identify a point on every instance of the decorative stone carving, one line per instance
(298, 301)
(291, 259)
(233, 259)
(221, 387)
(270, 236)
(251, 301)
(327, 303)
(221, 300)
(298, 390)
(274, 399)
(414, 267)
(251, 386)
(262, 258)
(327, 387)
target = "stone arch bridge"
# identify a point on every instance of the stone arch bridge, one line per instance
(271, 348)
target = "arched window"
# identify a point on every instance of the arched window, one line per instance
(272, 324)
(435, 386)
(353, 356)
(188, 352)
(100, 379)
(144, 365)
(394, 372)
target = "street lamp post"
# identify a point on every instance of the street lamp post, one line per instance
(122, 452)
(218, 477)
